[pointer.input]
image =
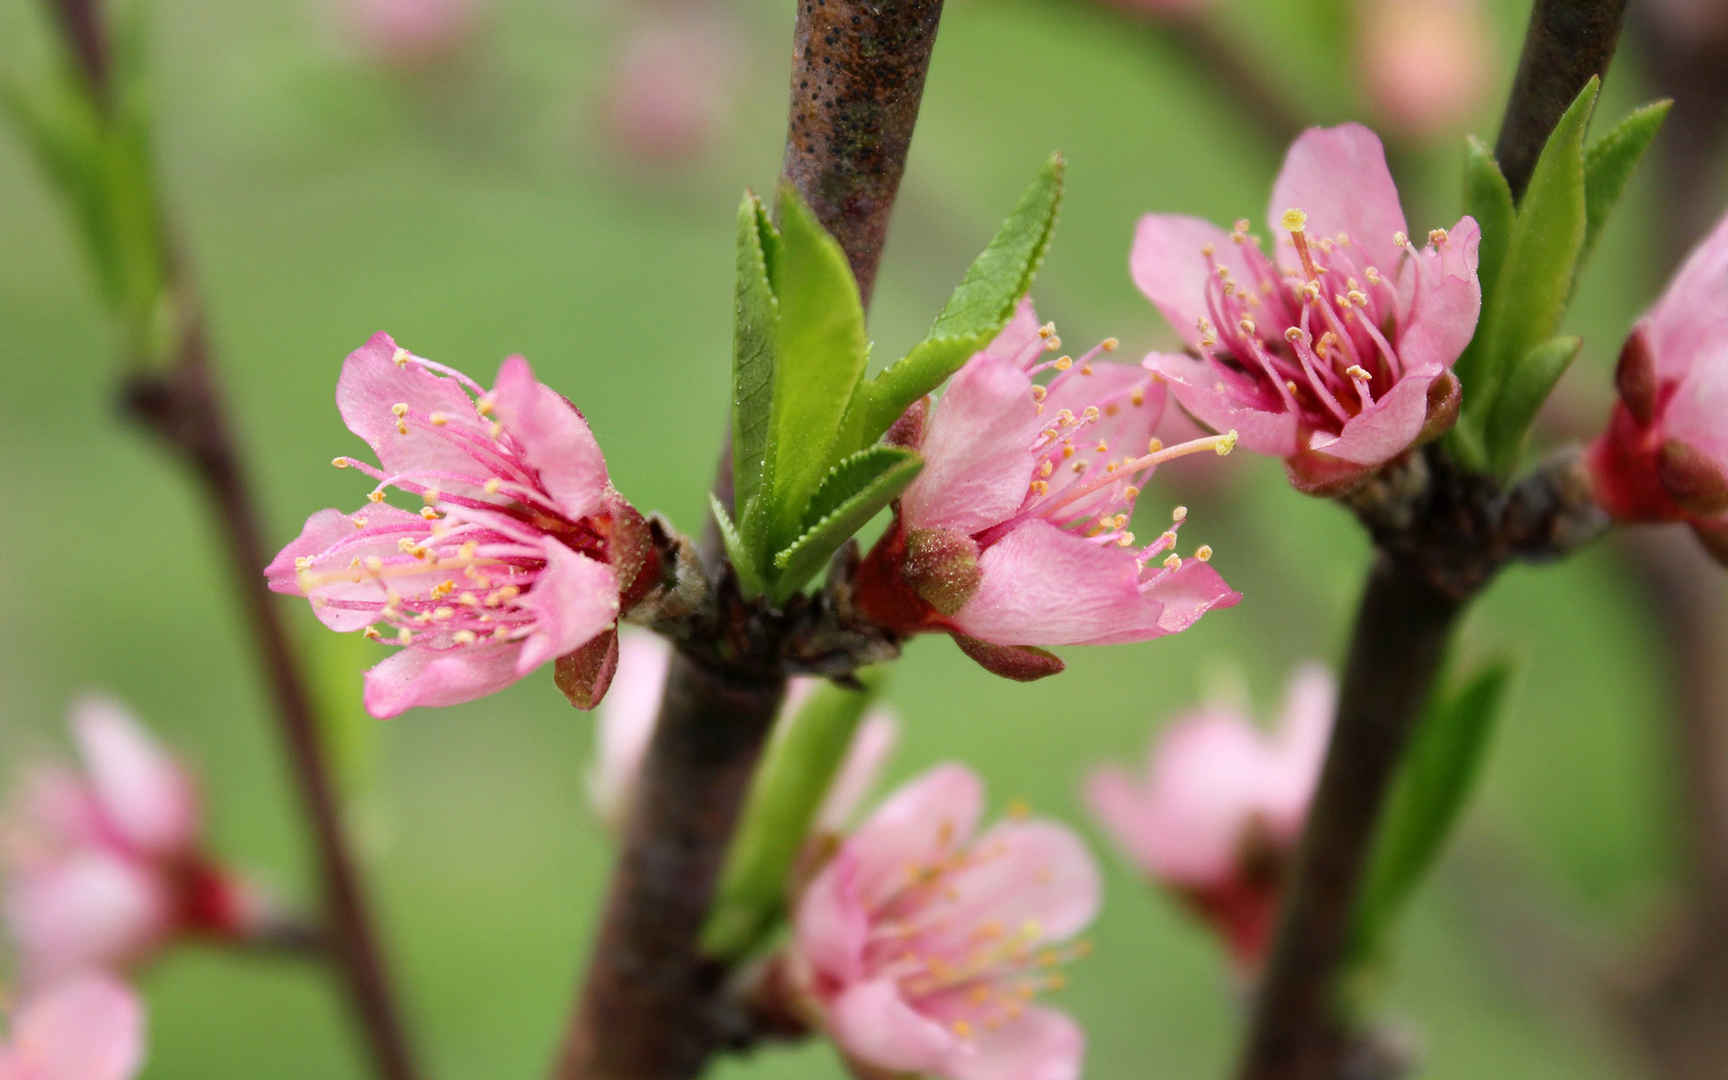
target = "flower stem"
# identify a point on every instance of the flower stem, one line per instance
(652, 1005)
(1566, 42)
(183, 405)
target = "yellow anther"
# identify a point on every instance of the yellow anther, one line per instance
(1047, 468)
(405, 636)
(1203, 553)
(1437, 237)
(1174, 562)
(1228, 443)
(371, 634)
(359, 521)
(1065, 417)
(400, 409)
(1110, 344)
(1179, 515)
(1207, 250)
(1357, 371)
(1328, 341)
(1154, 444)
(438, 419)
(484, 405)
(1063, 363)
(1091, 413)
(340, 462)
(1294, 220)
(1085, 369)
(1400, 240)
(1047, 330)
(1019, 810)
(1102, 447)
(1242, 226)
(495, 430)
(1372, 274)
(1295, 335)
(443, 612)
(1067, 451)
(375, 564)
(1130, 493)
(303, 562)
(492, 485)
(463, 637)
(407, 545)
(1310, 291)
(962, 1029)
(1040, 488)
(501, 633)
(429, 513)
(1039, 393)
(1137, 397)
(376, 495)
(1079, 466)
(1358, 297)
(1246, 324)
(1052, 344)
(1125, 540)
(1290, 385)
(400, 356)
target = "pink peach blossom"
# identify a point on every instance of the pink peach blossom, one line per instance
(523, 552)
(1664, 456)
(90, 1027)
(1424, 63)
(1219, 807)
(626, 723)
(1015, 533)
(1336, 356)
(413, 33)
(671, 82)
(921, 945)
(105, 868)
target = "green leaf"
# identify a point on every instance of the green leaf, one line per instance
(1609, 161)
(796, 772)
(850, 495)
(1528, 385)
(1432, 786)
(1488, 199)
(749, 574)
(1534, 281)
(350, 736)
(754, 314)
(819, 357)
(984, 300)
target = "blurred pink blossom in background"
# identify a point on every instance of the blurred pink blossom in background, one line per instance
(922, 944)
(671, 84)
(1426, 64)
(1217, 808)
(104, 867)
(86, 1028)
(412, 33)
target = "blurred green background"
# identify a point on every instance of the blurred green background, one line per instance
(476, 209)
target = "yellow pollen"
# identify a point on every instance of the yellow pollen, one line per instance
(405, 636)
(303, 562)
(1040, 487)
(1328, 341)
(1357, 371)
(962, 1029)
(500, 633)
(495, 430)
(1047, 330)
(400, 409)
(1125, 540)
(484, 405)
(1052, 344)
(1102, 447)
(1039, 393)
(1067, 451)
(340, 463)
(1086, 369)
(1091, 413)
(1228, 444)
(1290, 385)
(1310, 291)
(1372, 274)
(371, 634)
(1154, 444)
(1065, 417)
(1179, 515)
(1242, 226)
(1295, 334)
(468, 550)
(374, 564)
(1137, 397)
(443, 612)
(429, 513)
(359, 521)
(376, 495)
(492, 485)
(400, 356)
(1437, 237)
(1047, 468)
(463, 637)
(1174, 562)
(1063, 363)
(468, 599)
(1130, 493)
(1203, 553)
(1294, 220)
(1110, 344)
(1112, 466)
(1400, 240)
(1207, 250)
(1247, 325)
(1079, 466)
(438, 419)
(1358, 297)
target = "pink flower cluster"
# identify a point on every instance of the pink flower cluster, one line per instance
(922, 946)
(105, 868)
(1664, 456)
(522, 553)
(88, 1028)
(1016, 532)
(1218, 807)
(1335, 352)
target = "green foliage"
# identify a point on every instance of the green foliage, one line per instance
(805, 472)
(96, 155)
(1609, 161)
(1528, 264)
(742, 559)
(799, 766)
(1528, 385)
(1431, 789)
(350, 735)
(851, 494)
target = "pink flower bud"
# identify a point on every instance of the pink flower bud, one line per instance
(1016, 532)
(105, 868)
(1664, 456)
(87, 1028)
(1424, 62)
(1218, 808)
(671, 85)
(413, 33)
(922, 944)
(522, 553)
(1334, 352)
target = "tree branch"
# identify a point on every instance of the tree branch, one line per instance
(183, 405)
(651, 1007)
(1566, 42)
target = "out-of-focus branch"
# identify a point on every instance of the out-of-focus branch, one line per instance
(1566, 42)
(182, 404)
(1222, 62)
(652, 1006)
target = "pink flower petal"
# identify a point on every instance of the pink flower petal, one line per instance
(91, 909)
(1019, 338)
(1168, 265)
(831, 925)
(918, 825)
(1184, 594)
(1338, 176)
(1300, 745)
(1043, 585)
(1383, 430)
(1204, 396)
(143, 793)
(1207, 776)
(417, 677)
(873, 1023)
(332, 539)
(555, 439)
(90, 1028)
(976, 463)
(1448, 302)
(574, 599)
(1038, 1044)
(1031, 874)
(370, 387)
(1698, 413)
(1690, 312)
